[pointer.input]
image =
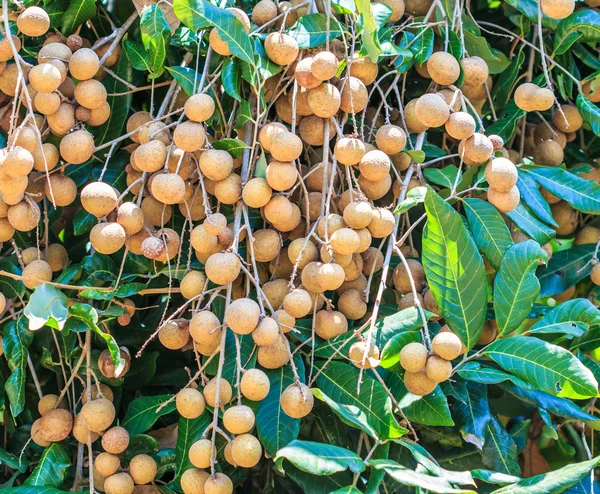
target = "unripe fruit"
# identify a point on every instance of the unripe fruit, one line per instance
(193, 481)
(142, 469)
(55, 425)
(390, 139)
(501, 174)
(505, 202)
(33, 21)
(77, 147)
(115, 440)
(210, 392)
(460, 125)
(413, 357)
(35, 273)
(98, 414)
(255, 385)
(443, 68)
(281, 48)
(242, 315)
(354, 95)
(246, 450)
(107, 464)
(221, 483)
(418, 383)
(98, 198)
(119, 483)
(84, 64)
(325, 66)
(432, 110)
(446, 345)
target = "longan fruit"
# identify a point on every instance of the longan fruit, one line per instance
(137, 120)
(33, 21)
(548, 153)
(168, 188)
(390, 139)
(90, 94)
(229, 190)
(98, 414)
(266, 245)
(115, 440)
(595, 275)
(239, 419)
(246, 450)
(36, 435)
(255, 385)
(443, 68)
(525, 96)
(281, 176)
(544, 132)
(297, 401)
(199, 107)
(311, 130)
(242, 315)
(431, 109)
(57, 257)
(266, 332)
(358, 214)
(84, 64)
(357, 357)
(105, 392)
(45, 78)
(48, 402)
(477, 148)
(344, 241)
(107, 238)
(352, 304)
(276, 355)
(543, 99)
(6, 230)
(418, 383)
(573, 122)
(490, 331)
(54, 50)
(56, 424)
(46, 103)
(77, 147)
(303, 74)
(330, 323)
(319, 277)
(565, 216)
(263, 12)
(430, 304)
(9, 77)
(119, 483)
(107, 464)
(130, 216)
(202, 241)
(505, 202)
(155, 211)
(354, 95)
(587, 235)
(205, 327)
(438, 369)
(256, 192)
(446, 345)
(189, 136)
(325, 66)
(501, 174)
(18, 162)
(402, 280)
(475, 70)
(6, 52)
(193, 480)
(35, 273)
(298, 303)
(413, 357)
(362, 68)
(81, 433)
(142, 469)
(558, 9)
(30, 254)
(98, 116)
(281, 48)
(349, 150)
(407, 301)
(210, 392)
(286, 146)
(278, 209)
(222, 268)
(382, 224)
(192, 284)
(330, 224)
(63, 120)
(375, 166)
(372, 260)
(324, 100)
(99, 199)
(221, 483)
(460, 125)
(267, 132)
(174, 335)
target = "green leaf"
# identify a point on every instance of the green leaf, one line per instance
(413, 197)
(311, 30)
(313, 484)
(9, 287)
(188, 432)
(230, 77)
(573, 318)
(589, 112)
(565, 269)
(506, 124)
(119, 105)
(15, 341)
(235, 147)
(143, 412)
(489, 230)
(78, 12)
(138, 56)
(348, 414)
(318, 458)
(479, 47)
(156, 35)
(531, 195)
(344, 6)
(529, 8)
(422, 47)
(12, 461)
(446, 177)
(406, 476)
(275, 428)
(454, 270)
(47, 305)
(431, 409)
(503, 85)
(580, 193)
(51, 470)
(555, 482)
(187, 78)
(548, 367)
(516, 287)
(474, 371)
(471, 412)
(533, 227)
(200, 14)
(339, 382)
(583, 25)
(83, 222)
(499, 449)
(369, 30)
(33, 490)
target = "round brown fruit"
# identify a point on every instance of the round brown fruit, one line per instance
(446, 345)
(115, 440)
(255, 385)
(418, 383)
(297, 401)
(443, 68)
(98, 414)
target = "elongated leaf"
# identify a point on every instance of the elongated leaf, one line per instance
(580, 193)
(391, 351)
(25, 489)
(51, 470)
(200, 14)
(187, 78)
(156, 35)
(573, 317)
(9, 287)
(311, 30)
(454, 270)
(230, 78)
(188, 432)
(489, 230)
(529, 8)
(531, 195)
(235, 147)
(474, 371)
(413, 197)
(471, 412)
(137, 55)
(589, 112)
(47, 305)
(275, 428)
(503, 86)
(516, 286)
(499, 450)
(348, 414)
(318, 458)
(315, 484)
(422, 48)
(76, 14)
(15, 341)
(565, 269)
(12, 461)
(556, 481)
(446, 177)
(548, 367)
(339, 382)
(507, 122)
(533, 227)
(143, 412)
(369, 31)
(583, 25)
(479, 46)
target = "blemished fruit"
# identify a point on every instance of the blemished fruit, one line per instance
(446, 345)
(56, 424)
(297, 401)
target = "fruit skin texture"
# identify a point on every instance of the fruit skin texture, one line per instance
(501, 174)
(595, 274)
(193, 481)
(505, 202)
(98, 199)
(438, 369)
(401, 278)
(98, 414)
(115, 440)
(238, 419)
(558, 9)
(391, 139)
(281, 48)
(297, 401)
(36, 270)
(418, 383)
(443, 68)
(413, 357)
(142, 469)
(33, 21)
(246, 450)
(574, 120)
(77, 147)
(255, 385)
(432, 110)
(190, 403)
(242, 315)
(56, 425)
(119, 483)
(221, 484)
(446, 345)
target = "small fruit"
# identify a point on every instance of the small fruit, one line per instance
(505, 202)
(210, 392)
(501, 174)
(33, 21)
(446, 345)
(432, 110)
(558, 9)
(413, 357)
(255, 385)
(220, 483)
(246, 450)
(443, 68)
(115, 440)
(438, 369)
(199, 107)
(297, 401)
(98, 414)
(190, 403)
(242, 315)
(281, 48)
(107, 464)
(418, 383)
(193, 481)
(119, 483)
(357, 352)
(56, 424)
(200, 453)
(239, 419)
(390, 139)
(142, 469)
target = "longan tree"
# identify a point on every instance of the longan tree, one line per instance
(306, 246)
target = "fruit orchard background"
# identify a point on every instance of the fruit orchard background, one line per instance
(312, 246)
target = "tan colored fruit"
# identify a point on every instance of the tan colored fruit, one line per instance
(297, 401)
(490, 331)
(257, 192)
(154, 131)
(475, 70)
(397, 7)
(418, 383)
(382, 223)
(565, 216)
(438, 369)
(349, 150)
(62, 120)
(142, 469)
(402, 279)
(443, 68)
(119, 483)
(81, 433)
(281, 48)
(47, 103)
(47, 151)
(255, 385)
(33, 21)
(460, 125)
(525, 96)
(98, 116)
(136, 120)
(375, 165)
(263, 12)
(352, 304)
(174, 335)
(9, 78)
(587, 235)
(192, 284)
(319, 277)
(168, 188)
(267, 132)
(505, 202)
(54, 50)
(595, 274)
(354, 95)
(545, 132)
(281, 176)
(48, 402)
(242, 315)
(286, 146)
(330, 323)
(155, 211)
(91, 94)
(408, 301)
(131, 217)
(45, 78)
(107, 464)
(325, 66)
(431, 109)
(99, 199)
(246, 450)
(105, 392)
(358, 215)
(229, 190)
(6, 52)
(189, 136)
(543, 99)
(77, 147)
(274, 356)
(222, 268)
(357, 356)
(344, 241)
(311, 130)
(35, 273)
(221, 483)
(570, 122)
(6, 230)
(446, 345)
(324, 100)
(298, 303)
(115, 440)
(303, 74)
(199, 107)
(266, 332)
(17, 163)
(36, 435)
(210, 392)
(390, 139)
(501, 174)
(413, 357)
(372, 261)
(478, 148)
(558, 9)
(239, 419)
(57, 257)
(363, 68)
(107, 238)
(56, 424)
(84, 64)
(548, 153)
(193, 481)
(98, 414)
